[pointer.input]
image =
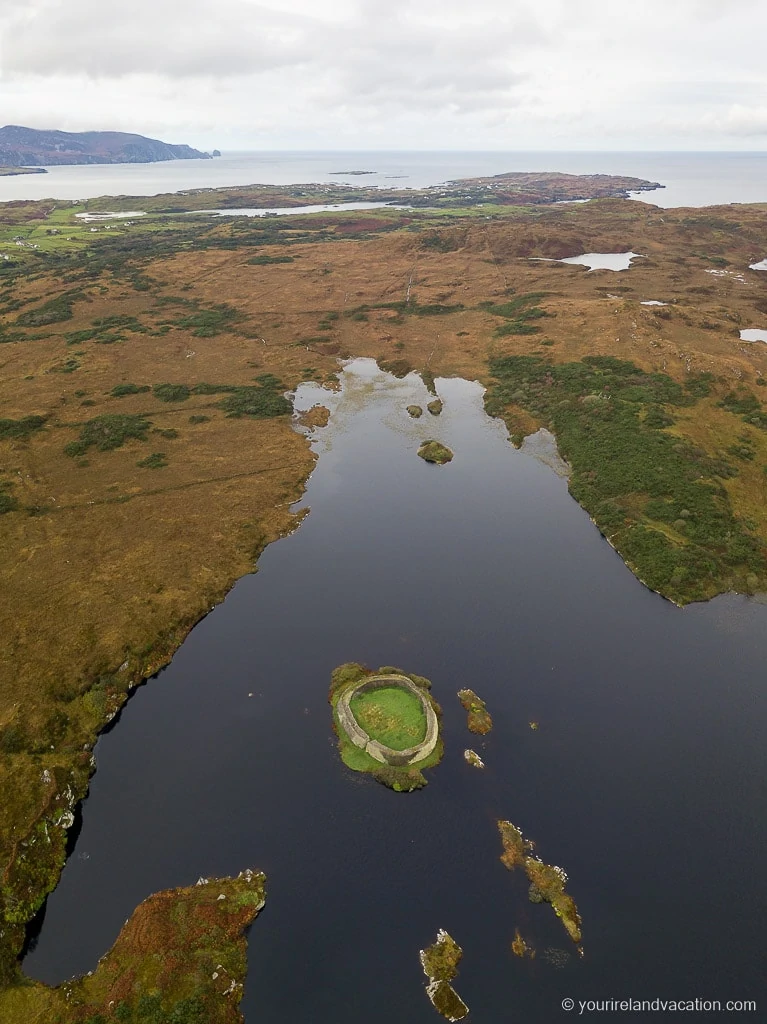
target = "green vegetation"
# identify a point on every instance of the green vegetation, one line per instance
(519, 313)
(121, 390)
(415, 411)
(108, 432)
(21, 430)
(391, 715)
(635, 480)
(745, 404)
(7, 504)
(52, 312)
(435, 407)
(171, 392)
(401, 779)
(258, 402)
(156, 460)
(207, 323)
(433, 451)
(102, 331)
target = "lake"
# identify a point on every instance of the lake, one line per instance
(690, 179)
(644, 780)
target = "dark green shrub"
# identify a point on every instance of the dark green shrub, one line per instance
(154, 461)
(608, 416)
(109, 432)
(121, 390)
(20, 429)
(171, 392)
(258, 402)
(52, 312)
(264, 261)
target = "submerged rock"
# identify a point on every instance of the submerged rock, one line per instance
(440, 965)
(433, 451)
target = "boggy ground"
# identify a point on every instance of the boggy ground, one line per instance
(146, 456)
(179, 959)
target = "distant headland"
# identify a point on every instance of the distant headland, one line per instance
(30, 147)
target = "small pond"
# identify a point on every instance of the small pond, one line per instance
(599, 260)
(762, 265)
(753, 334)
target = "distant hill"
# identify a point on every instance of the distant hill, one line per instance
(29, 147)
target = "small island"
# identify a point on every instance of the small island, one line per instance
(387, 724)
(440, 965)
(433, 451)
(479, 720)
(547, 881)
(415, 411)
(472, 757)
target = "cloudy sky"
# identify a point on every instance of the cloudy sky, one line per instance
(392, 74)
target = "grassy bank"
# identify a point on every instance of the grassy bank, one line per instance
(660, 500)
(179, 959)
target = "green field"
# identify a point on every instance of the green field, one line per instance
(391, 715)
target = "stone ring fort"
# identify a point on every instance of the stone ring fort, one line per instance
(379, 751)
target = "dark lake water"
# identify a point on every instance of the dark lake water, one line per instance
(645, 780)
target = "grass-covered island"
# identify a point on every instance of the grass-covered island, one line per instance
(440, 965)
(433, 451)
(387, 723)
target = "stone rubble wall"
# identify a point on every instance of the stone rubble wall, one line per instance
(378, 751)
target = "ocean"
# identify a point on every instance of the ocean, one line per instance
(690, 179)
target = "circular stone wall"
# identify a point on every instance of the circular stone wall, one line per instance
(378, 751)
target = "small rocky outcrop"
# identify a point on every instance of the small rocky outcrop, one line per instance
(415, 411)
(435, 407)
(433, 451)
(547, 881)
(440, 965)
(479, 720)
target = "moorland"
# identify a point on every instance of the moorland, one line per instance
(147, 451)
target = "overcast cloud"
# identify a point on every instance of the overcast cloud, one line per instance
(357, 74)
